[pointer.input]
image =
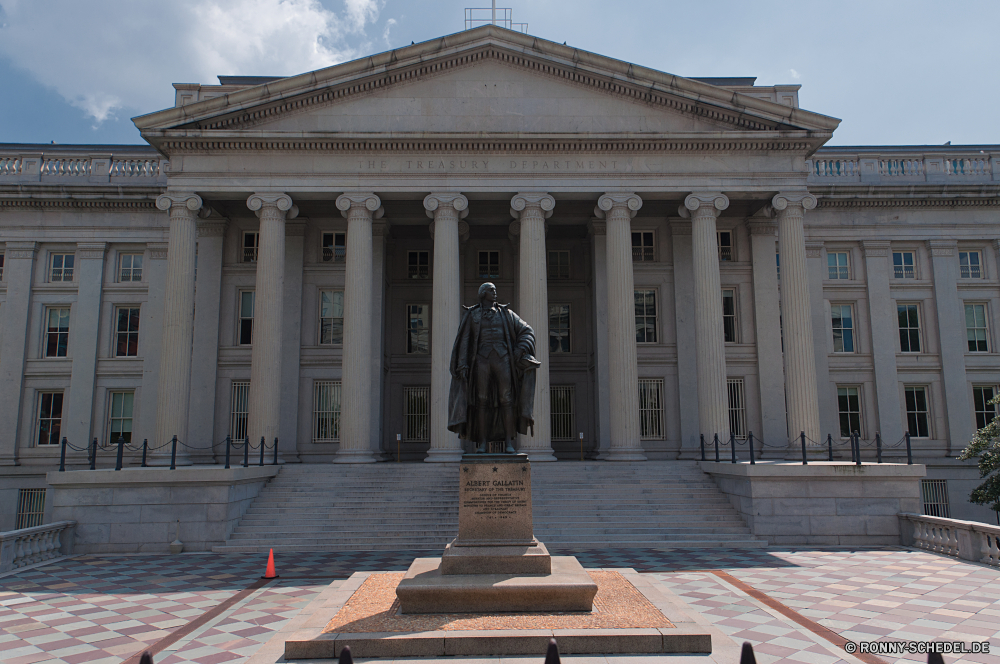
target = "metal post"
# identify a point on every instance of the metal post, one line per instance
(262, 444)
(878, 447)
(750, 441)
(62, 456)
(857, 446)
(275, 462)
(802, 437)
(121, 448)
(399, 456)
(829, 444)
(702, 439)
(173, 453)
(227, 451)
(716, 448)
(93, 456)
(909, 450)
(581, 446)
(246, 451)
(732, 445)
(145, 446)
(854, 454)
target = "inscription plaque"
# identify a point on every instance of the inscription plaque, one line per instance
(495, 501)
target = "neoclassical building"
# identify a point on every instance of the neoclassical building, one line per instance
(287, 259)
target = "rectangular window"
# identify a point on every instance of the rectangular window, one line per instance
(645, 316)
(982, 395)
(489, 264)
(127, 331)
(56, 331)
(331, 317)
(326, 411)
(561, 398)
(975, 327)
(417, 401)
(842, 321)
(62, 267)
(129, 267)
(903, 266)
(729, 315)
(50, 406)
(1, 267)
(418, 329)
(558, 328)
(120, 417)
(837, 265)
(418, 264)
(334, 247)
(651, 408)
(239, 409)
(849, 407)
(737, 408)
(909, 328)
(251, 242)
(245, 330)
(726, 249)
(970, 265)
(559, 264)
(30, 508)
(935, 495)
(643, 249)
(777, 264)
(917, 413)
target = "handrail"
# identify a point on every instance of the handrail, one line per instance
(968, 540)
(68, 165)
(833, 166)
(27, 546)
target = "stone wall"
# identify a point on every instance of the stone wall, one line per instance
(136, 510)
(822, 503)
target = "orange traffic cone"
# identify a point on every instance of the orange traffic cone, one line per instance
(269, 573)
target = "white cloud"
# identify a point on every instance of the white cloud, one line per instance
(385, 33)
(795, 75)
(125, 53)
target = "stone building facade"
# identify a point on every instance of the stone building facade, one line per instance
(287, 257)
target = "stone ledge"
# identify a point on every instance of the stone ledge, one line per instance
(200, 475)
(814, 470)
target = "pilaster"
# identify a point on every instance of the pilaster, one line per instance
(18, 274)
(885, 338)
(687, 363)
(291, 342)
(826, 393)
(598, 229)
(151, 342)
(380, 234)
(86, 317)
(205, 354)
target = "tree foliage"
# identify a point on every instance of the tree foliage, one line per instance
(985, 446)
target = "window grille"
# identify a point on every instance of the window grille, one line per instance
(842, 322)
(726, 249)
(50, 406)
(643, 249)
(651, 408)
(326, 411)
(418, 330)
(62, 267)
(917, 412)
(251, 242)
(331, 317)
(737, 408)
(239, 409)
(559, 264)
(559, 328)
(419, 264)
(245, 329)
(129, 267)
(729, 315)
(57, 332)
(645, 316)
(970, 265)
(837, 265)
(562, 399)
(120, 416)
(334, 247)
(30, 508)
(417, 401)
(903, 265)
(975, 328)
(489, 264)
(127, 332)
(909, 328)
(982, 395)
(935, 495)
(849, 407)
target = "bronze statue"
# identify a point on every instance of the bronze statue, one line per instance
(492, 374)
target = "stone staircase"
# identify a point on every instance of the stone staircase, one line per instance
(389, 506)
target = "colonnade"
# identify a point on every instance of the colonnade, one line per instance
(614, 213)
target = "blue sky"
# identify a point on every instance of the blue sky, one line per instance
(916, 72)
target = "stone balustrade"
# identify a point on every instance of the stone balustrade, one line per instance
(74, 166)
(27, 546)
(833, 166)
(968, 540)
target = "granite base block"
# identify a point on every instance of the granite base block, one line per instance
(520, 560)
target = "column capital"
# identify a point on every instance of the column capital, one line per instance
(212, 228)
(875, 248)
(368, 201)
(597, 226)
(782, 200)
(283, 202)
(680, 227)
(712, 201)
(91, 249)
(814, 248)
(171, 200)
(523, 201)
(761, 226)
(18, 249)
(433, 202)
(942, 247)
(157, 250)
(611, 200)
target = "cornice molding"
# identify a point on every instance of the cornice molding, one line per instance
(942, 247)
(91, 250)
(36, 203)
(875, 248)
(20, 249)
(930, 203)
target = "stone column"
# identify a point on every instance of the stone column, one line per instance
(151, 342)
(599, 242)
(291, 343)
(174, 392)
(264, 401)
(885, 339)
(623, 377)
(445, 210)
(829, 415)
(380, 233)
(531, 211)
(800, 359)
(356, 376)
(205, 354)
(78, 416)
(713, 399)
(687, 339)
(18, 275)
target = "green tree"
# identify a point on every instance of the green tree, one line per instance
(986, 446)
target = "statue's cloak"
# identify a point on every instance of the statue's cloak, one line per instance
(462, 399)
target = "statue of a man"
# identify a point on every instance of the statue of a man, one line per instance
(492, 374)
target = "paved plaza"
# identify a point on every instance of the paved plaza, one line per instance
(797, 605)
